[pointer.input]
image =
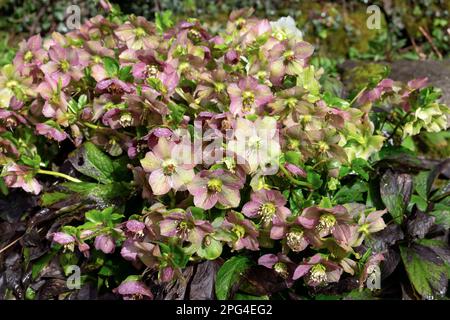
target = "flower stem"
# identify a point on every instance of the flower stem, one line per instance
(58, 174)
(294, 181)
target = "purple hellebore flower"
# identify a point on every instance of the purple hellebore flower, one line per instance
(18, 176)
(138, 34)
(245, 231)
(269, 205)
(50, 132)
(129, 251)
(248, 96)
(114, 86)
(280, 263)
(134, 290)
(63, 238)
(182, 224)
(151, 67)
(232, 57)
(135, 226)
(318, 270)
(105, 243)
(7, 150)
(10, 120)
(324, 220)
(65, 64)
(216, 186)
(30, 55)
(288, 57)
(297, 236)
(168, 167)
(55, 100)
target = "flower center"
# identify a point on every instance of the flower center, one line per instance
(114, 89)
(318, 273)
(126, 119)
(168, 167)
(215, 185)
(294, 240)
(291, 102)
(289, 55)
(254, 142)
(28, 56)
(64, 65)
(238, 230)
(10, 122)
(326, 222)
(267, 211)
(194, 35)
(281, 269)
(219, 86)
(323, 146)
(248, 99)
(152, 70)
(12, 84)
(364, 229)
(139, 32)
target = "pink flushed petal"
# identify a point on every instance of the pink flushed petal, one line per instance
(277, 232)
(268, 260)
(168, 227)
(229, 197)
(159, 182)
(135, 226)
(205, 200)
(164, 148)
(129, 251)
(250, 209)
(235, 105)
(98, 72)
(63, 238)
(57, 53)
(315, 259)
(105, 243)
(133, 288)
(301, 270)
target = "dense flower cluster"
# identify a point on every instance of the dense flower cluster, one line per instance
(266, 133)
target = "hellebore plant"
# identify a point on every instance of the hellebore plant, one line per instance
(124, 108)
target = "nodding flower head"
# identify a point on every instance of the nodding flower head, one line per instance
(318, 273)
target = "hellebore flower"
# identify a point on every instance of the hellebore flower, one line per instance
(280, 263)
(63, 238)
(288, 57)
(64, 64)
(138, 34)
(256, 144)
(248, 96)
(149, 66)
(269, 205)
(216, 186)
(8, 151)
(135, 226)
(129, 251)
(244, 230)
(285, 29)
(368, 224)
(114, 87)
(318, 270)
(50, 132)
(9, 120)
(183, 225)
(18, 176)
(12, 85)
(30, 55)
(134, 290)
(105, 243)
(55, 100)
(296, 235)
(168, 168)
(324, 220)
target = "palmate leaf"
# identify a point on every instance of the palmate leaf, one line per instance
(396, 190)
(229, 274)
(426, 268)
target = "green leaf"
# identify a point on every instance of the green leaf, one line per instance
(229, 274)
(49, 198)
(442, 214)
(125, 74)
(40, 264)
(426, 270)
(293, 157)
(163, 20)
(361, 167)
(176, 112)
(314, 179)
(352, 193)
(111, 66)
(92, 162)
(396, 190)
(420, 184)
